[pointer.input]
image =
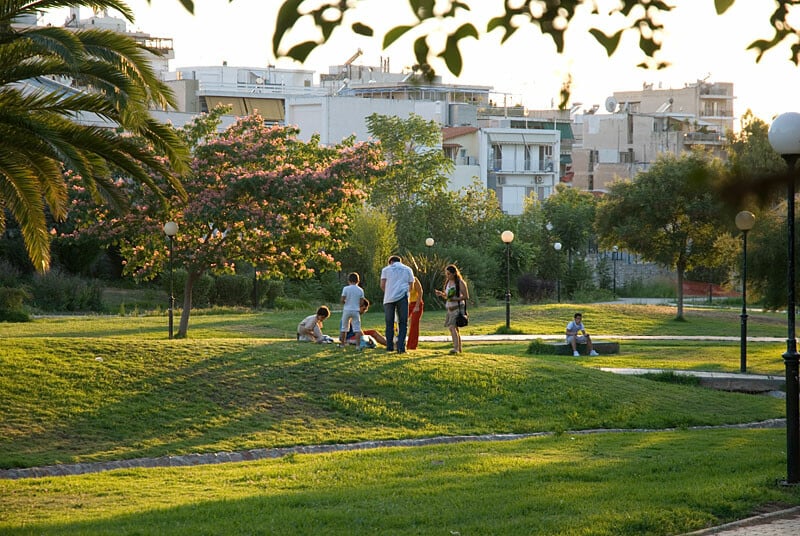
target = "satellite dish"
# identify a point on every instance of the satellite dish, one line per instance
(611, 105)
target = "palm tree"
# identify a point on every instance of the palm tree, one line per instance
(44, 127)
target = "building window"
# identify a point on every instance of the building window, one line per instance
(497, 157)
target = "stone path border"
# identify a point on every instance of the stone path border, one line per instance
(72, 469)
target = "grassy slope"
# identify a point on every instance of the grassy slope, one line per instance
(233, 386)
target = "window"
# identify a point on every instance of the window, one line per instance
(497, 157)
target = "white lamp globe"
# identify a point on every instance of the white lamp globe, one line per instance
(784, 133)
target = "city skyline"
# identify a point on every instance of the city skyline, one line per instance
(698, 43)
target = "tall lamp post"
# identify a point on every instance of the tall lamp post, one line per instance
(507, 237)
(171, 229)
(744, 222)
(557, 247)
(784, 136)
(614, 254)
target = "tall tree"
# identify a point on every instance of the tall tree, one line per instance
(40, 134)
(257, 194)
(668, 215)
(416, 171)
(571, 213)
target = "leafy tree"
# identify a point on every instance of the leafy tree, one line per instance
(571, 213)
(668, 215)
(256, 194)
(39, 133)
(416, 171)
(370, 240)
(767, 256)
(751, 162)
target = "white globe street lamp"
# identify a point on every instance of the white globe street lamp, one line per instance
(784, 136)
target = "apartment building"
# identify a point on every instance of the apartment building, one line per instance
(640, 125)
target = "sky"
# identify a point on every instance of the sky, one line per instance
(698, 43)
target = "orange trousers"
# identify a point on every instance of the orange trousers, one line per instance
(413, 324)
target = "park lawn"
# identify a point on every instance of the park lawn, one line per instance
(84, 389)
(603, 484)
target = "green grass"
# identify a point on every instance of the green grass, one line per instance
(102, 388)
(602, 484)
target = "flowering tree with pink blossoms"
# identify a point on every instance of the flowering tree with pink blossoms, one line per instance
(256, 194)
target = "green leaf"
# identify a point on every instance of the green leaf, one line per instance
(609, 42)
(189, 5)
(300, 52)
(451, 53)
(423, 9)
(421, 50)
(288, 15)
(362, 29)
(722, 5)
(394, 34)
(502, 22)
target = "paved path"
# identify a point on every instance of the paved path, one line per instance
(781, 523)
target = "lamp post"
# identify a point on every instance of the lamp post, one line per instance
(744, 222)
(557, 247)
(507, 237)
(171, 229)
(784, 136)
(614, 253)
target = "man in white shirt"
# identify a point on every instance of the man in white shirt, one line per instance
(396, 281)
(576, 334)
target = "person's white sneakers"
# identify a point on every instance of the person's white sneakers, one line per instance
(593, 353)
(575, 354)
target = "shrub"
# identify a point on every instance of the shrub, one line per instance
(539, 347)
(57, 292)
(533, 289)
(201, 292)
(11, 305)
(233, 290)
(269, 291)
(10, 275)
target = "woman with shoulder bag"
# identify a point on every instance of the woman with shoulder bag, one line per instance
(456, 295)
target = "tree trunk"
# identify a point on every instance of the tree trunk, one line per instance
(191, 278)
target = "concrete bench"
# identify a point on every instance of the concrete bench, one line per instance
(601, 347)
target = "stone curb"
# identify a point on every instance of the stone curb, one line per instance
(759, 520)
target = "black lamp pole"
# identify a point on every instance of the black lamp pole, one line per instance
(744, 221)
(557, 247)
(784, 136)
(507, 237)
(171, 290)
(791, 357)
(743, 356)
(614, 262)
(171, 229)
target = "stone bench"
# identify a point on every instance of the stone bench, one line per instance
(601, 347)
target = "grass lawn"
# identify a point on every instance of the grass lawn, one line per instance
(82, 389)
